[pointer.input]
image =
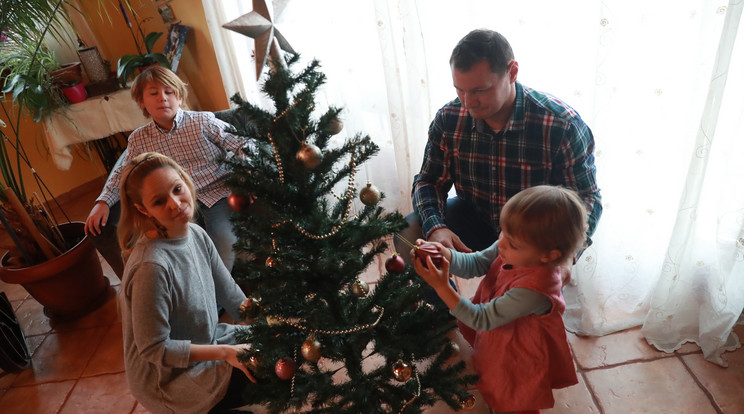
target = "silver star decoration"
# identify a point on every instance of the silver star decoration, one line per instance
(258, 25)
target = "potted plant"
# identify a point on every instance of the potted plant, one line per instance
(129, 65)
(44, 254)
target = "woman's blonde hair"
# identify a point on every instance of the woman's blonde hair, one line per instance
(547, 218)
(133, 224)
(161, 75)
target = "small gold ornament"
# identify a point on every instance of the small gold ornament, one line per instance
(249, 308)
(253, 361)
(311, 349)
(468, 403)
(336, 126)
(360, 288)
(309, 155)
(270, 262)
(272, 320)
(402, 371)
(370, 195)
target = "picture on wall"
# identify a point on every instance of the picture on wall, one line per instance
(174, 45)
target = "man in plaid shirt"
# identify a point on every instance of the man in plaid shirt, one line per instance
(497, 138)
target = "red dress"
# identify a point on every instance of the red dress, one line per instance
(520, 363)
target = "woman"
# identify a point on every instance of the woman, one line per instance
(178, 357)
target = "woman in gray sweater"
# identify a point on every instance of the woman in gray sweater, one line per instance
(178, 357)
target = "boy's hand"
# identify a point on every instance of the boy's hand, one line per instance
(97, 218)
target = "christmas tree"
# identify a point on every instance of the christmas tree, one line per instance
(322, 342)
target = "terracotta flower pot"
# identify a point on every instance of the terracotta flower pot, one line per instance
(68, 286)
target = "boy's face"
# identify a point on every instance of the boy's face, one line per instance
(161, 103)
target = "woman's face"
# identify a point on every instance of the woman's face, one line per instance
(167, 199)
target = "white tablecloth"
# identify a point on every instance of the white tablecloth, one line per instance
(92, 119)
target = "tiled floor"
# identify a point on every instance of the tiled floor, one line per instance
(77, 368)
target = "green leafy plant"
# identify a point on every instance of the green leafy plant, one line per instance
(128, 64)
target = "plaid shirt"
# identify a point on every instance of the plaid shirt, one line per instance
(197, 142)
(544, 142)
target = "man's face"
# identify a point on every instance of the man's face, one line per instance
(486, 95)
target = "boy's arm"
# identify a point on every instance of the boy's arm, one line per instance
(110, 193)
(217, 132)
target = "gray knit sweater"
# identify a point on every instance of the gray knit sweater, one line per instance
(167, 301)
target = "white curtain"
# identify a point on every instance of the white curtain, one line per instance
(648, 77)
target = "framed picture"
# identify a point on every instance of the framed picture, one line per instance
(174, 45)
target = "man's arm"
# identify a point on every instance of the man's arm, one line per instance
(431, 184)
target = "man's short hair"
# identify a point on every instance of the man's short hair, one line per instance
(482, 44)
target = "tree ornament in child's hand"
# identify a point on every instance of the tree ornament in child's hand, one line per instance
(428, 250)
(395, 264)
(309, 155)
(285, 368)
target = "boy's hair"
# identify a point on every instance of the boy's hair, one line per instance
(482, 44)
(548, 218)
(161, 75)
(133, 224)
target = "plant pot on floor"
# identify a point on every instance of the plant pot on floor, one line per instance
(68, 286)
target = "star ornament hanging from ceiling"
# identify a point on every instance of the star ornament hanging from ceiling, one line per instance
(259, 25)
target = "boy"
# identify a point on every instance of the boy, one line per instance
(196, 140)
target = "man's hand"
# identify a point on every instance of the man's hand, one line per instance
(97, 218)
(449, 239)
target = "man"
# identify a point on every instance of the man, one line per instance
(497, 138)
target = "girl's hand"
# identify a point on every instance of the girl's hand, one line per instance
(435, 277)
(232, 359)
(443, 250)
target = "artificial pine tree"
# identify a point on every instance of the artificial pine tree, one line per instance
(322, 342)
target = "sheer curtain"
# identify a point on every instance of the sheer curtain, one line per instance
(648, 78)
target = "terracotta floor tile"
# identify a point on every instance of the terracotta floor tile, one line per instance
(663, 386)
(109, 357)
(724, 384)
(573, 400)
(140, 410)
(104, 316)
(617, 348)
(61, 356)
(41, 399)
(32, 319)
(13, 291)
(104, 394)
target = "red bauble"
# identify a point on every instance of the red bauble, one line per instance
(238, 202)
(285, 368)
(395, 264)
(430, 250)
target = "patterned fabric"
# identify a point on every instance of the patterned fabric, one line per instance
(520, 363)
(198, 142)
(544, 142)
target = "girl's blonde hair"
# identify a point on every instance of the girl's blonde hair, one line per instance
(133, 224)
(161, 75)
(547, 218)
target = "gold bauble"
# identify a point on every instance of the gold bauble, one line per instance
(311, 349)
(270, 262)
(336, 126)
(309, 155)
(360, 288)
(468, 403)
(402, 371)
(250, 307)
(370, 195)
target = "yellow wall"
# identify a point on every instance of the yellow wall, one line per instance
(198, 66)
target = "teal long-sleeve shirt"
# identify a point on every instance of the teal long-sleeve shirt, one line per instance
(515, 303)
